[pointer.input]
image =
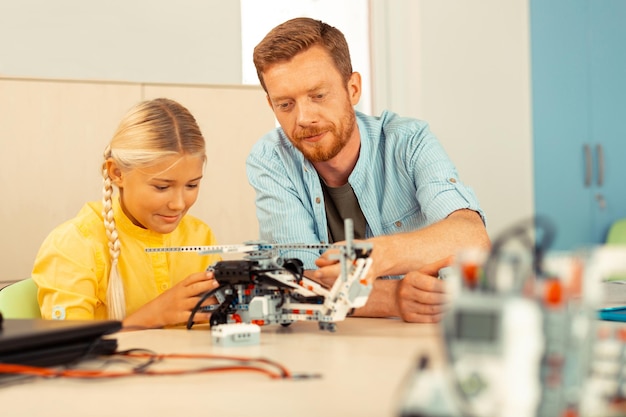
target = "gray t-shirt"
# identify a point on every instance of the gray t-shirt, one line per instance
(341, 203)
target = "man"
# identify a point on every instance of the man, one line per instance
(327, 162)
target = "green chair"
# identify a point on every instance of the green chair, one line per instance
(617, 237)
(19, 300)
(617, 233)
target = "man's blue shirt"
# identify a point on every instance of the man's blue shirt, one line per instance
(403, 180)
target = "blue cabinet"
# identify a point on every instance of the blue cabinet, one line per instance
(578, 69)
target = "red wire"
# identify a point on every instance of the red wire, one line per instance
(9, 368)
(159, 356)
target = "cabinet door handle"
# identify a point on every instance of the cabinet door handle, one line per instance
(600, 156)
(588, 167)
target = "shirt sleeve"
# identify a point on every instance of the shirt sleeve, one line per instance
(440, 190)
(67, 273)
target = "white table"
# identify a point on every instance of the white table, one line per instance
(363, 366)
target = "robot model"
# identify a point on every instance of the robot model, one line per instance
(264, 288)
(522, 336)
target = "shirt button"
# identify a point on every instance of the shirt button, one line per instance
(317, 200)
(398, 223)
(452, 180)
(164, 286)
(58, 313)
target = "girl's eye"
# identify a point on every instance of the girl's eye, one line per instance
(161, 187)
(192, 185)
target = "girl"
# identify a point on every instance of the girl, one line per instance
(94, 266)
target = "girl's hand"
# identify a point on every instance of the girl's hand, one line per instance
(174, 305)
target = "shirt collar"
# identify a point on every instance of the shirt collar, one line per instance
(125, 225)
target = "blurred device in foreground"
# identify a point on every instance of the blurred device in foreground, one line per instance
(522, 336)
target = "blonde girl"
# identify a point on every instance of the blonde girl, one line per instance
(94, 266)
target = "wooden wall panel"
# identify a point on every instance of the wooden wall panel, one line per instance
(52, 134)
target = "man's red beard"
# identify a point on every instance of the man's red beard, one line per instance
(323, 151)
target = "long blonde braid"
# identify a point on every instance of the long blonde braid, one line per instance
(116, 298)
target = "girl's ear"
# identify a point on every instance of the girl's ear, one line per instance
(115, 173)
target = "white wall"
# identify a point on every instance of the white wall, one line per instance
(464, 67)
(185, 41)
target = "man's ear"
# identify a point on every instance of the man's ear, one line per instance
(354, 88)
(115, 173)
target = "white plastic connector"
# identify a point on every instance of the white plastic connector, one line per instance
(236, 334)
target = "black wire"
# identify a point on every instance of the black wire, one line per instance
(198, 305)
(97, 347)
(152, 358)
(251, 362)
(239, 363)
(90, 348)
(282, 298)
(208, 294)
(123, 356)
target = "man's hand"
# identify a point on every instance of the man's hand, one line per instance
(421, 295)
(329, 269)
(417, 298)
